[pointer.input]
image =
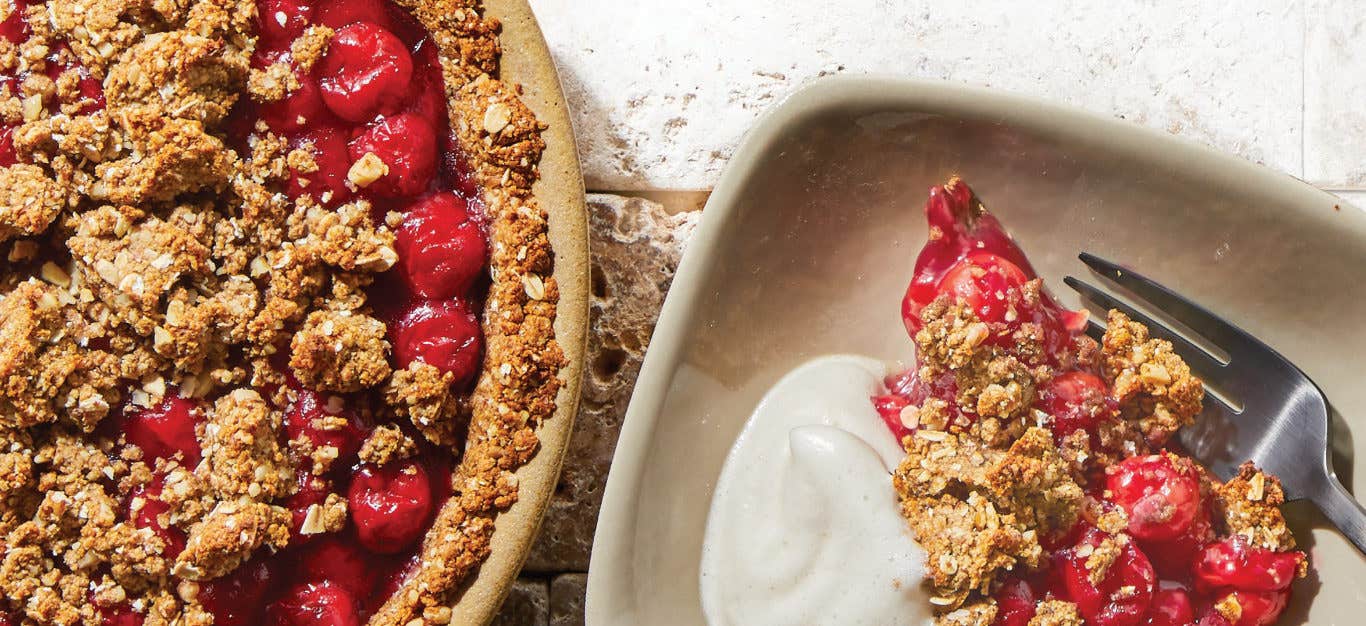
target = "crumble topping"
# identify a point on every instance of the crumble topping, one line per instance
(340, 351)
(1154, 387)
(29, 201)
(228, 535)
(1251, 507)
(150, 261)
(978, 510)
(1029, 474)
(1056, 613)
(242, 453)
(387, 443)
(423, 394)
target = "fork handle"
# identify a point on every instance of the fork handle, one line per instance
(1343, 510)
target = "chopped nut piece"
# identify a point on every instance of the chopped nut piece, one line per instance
(367, 169)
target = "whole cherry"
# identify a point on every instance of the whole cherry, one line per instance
(406, 144)
(314, 604)
(443, 334)
(390, 505)
(1160, 492)
(441, 250)
(366, 72)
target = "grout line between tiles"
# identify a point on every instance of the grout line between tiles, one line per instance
(1304, 93)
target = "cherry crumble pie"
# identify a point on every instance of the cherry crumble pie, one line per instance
(276, 309)
(1041, 476)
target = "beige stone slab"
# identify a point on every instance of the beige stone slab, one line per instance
(1353, 198)
(1335, 93)
(567, 593)
(527, 604)
(661, 90)
(636, 245)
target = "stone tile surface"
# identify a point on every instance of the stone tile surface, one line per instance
(636, 246)
(662, 90)
(1335, 93)
(1353, 198)
(567, 593)
(527, 604)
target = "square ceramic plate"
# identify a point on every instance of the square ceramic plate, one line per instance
(807, 244)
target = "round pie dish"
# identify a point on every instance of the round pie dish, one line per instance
(293, 309)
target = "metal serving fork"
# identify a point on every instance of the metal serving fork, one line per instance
(1275, 416)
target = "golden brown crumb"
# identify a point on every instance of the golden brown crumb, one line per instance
(227, 537)
(29, 201)
(422, 393)
(978, 613)
(385, 444)
(1056, 613)
(978, 510)
(340, 351)
(1251, 506)
(1154, 387)
(242, 454)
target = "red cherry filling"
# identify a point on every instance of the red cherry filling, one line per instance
(889, 407)
(15, 27)
(312, 490)
(1014, 603)
(328, 182)
(165, 430)
(145, 510)
(7, 155)
(1077, 401)
(340, 562)
(324, 421)
(336, 14)
(1236, 563)
(300, 108)
(1160, 492)
(390, 505)
(442, 334)
(406, 143)
(314, 604)
(120, 615)
(1122, 596)
(280, 21)
(1174, 558)
(1253, 609)
(1170, 607)
(441, 251)
(366, 71)
(237, 599)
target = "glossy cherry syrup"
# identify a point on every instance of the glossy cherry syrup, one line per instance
(1172, 568)
(379, 91)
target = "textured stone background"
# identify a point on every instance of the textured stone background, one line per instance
(662, 91)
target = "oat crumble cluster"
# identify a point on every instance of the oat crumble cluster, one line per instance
(1038, 475)
(266, 356)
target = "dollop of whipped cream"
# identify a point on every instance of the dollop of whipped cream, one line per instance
(804, 525)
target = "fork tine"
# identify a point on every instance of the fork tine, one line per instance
(1194, 316)
(1195, 356)
(1094, 329)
